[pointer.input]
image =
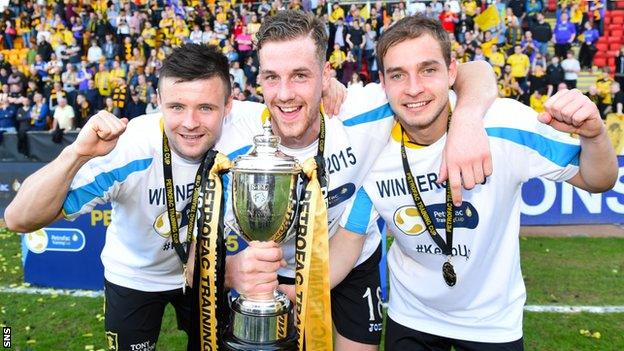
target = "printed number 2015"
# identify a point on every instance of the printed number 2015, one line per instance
(345, 158)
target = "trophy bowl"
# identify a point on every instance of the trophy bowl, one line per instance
(264, 192)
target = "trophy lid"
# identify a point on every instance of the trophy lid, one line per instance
(265, 156)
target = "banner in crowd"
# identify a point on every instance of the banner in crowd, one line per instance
(488, 18)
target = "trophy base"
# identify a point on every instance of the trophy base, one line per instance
(231, 343)
(261, 324)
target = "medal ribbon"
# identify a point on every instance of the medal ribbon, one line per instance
(180, 248)
(446, 247)
(211, 311)
(313, 315)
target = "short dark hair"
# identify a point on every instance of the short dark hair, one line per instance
(413, 27)
(191, 62)
(293, 24)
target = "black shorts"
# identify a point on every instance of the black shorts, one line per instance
(399, 337)
(356, 302)
(133, 318)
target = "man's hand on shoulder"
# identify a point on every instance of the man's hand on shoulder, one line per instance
(99, 136)
(467, 159)
(333, 97)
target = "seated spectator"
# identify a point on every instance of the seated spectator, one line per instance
(95, 53)
(134, 107)
(7, 116)
(84, 110)
(152, 105)
(39, 113)
(555, 75)
(355, 80)
(63, 116)
(538, 98)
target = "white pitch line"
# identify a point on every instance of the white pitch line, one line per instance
(574, 309)
(565, 309)
(528, 308)
(50, 291)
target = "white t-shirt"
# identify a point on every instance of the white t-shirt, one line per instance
(64, 116)
(573, 66)
(486, 303)
(353, 140)
(138, 253)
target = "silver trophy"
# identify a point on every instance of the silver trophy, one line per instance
(264, 192)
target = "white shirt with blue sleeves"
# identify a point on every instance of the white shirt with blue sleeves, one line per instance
(487, 302)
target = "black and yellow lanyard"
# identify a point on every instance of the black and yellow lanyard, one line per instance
(448, 272)
(181, 249)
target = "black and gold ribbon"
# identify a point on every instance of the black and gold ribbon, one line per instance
(210, 312)
(313, 307)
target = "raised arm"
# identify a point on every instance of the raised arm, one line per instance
(476, 90)
(40, 198)
(570, 111)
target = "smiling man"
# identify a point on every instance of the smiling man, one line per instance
(121, 162)
(293, 73)
(455, 278)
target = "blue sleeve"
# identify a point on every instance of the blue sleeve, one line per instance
(360, 213)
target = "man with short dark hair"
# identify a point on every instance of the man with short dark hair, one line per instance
(123, 163)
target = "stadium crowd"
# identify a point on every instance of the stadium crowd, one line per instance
(64, 60)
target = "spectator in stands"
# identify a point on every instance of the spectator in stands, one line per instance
(370, 39)
(95, 53)
(555, 74)
(22, 116)
(619, 67)
(152, 105)
(448, 18)
(588, 48)
(134, 107)
(103, 81)
(603, 84)
(237, 73)
(355, 42)
(563, 35)
(84, 110)
(337, 60)
(532, 9)
(7, 115)
(63, 116)
(571, 66)
(109, 49)
(338, 34)
(39, 113)
(16, 81)
(542, 34)
(520, 66)
(538, 98)
(93, 95)
(618, 98)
